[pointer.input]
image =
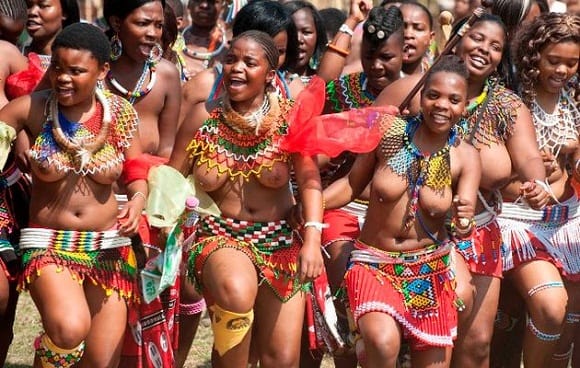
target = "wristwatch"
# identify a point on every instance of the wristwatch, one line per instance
(346, 29)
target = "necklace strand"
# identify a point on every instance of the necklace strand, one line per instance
(82, 148)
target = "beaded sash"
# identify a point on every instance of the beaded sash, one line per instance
(349, 92)
(123, 126)
(238, 151)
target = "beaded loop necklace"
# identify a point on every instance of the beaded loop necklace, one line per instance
(149, 67)
(553, 130)
(89, 147)
(228, 142)
(418, 168)
(82, 147)
(212, 52)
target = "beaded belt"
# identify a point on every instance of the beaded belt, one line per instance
(555, 213)
(376, 256)
(270, 234)
(9, 176)
(71, 240)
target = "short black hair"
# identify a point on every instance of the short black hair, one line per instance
(84, 36)
(422, 7)
(71, 11)
(332, 19)
(122, 8)
(272, 18)
(448, 64)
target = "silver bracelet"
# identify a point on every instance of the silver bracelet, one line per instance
(344, 28)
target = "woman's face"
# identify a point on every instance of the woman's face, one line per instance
(281, 42)
(204, 13)
(417, 33)
(307, 36)
(246, 70)
(44, 18)
(482, 48)
(73, 75)
(383, 64)
(141, 30)
(443, 101)
(558, 63)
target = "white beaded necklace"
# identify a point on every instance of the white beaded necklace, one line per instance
(554, 129)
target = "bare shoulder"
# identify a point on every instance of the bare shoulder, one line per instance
(12, 57)
(395, 93)
(198, 88)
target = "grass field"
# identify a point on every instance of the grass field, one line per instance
(27, 327)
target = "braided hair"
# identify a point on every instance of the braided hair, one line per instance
(381, 24)
(265, 42)
(449, 64)
(549, 28)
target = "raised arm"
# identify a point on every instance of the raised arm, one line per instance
(334, 57)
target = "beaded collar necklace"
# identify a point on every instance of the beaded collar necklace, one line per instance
(418, 168)
(554, 129)
(254, 121)
(82, 148)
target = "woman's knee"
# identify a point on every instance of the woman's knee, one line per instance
(67, 333)
(281, 357)
(549, 310)
(235, 294)
(385, 345)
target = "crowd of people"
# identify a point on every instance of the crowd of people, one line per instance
(365, 185)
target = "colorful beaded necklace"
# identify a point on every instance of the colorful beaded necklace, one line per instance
(235, 148)
(553, 130)
(349, 92)
(137, 92)
(419, 169)
(89, 147)
(212, 52)
(492, 118)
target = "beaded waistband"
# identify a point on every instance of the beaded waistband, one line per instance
(366, 254)
(556, 213)
(71, 240)
(273, 233)
(9, 176)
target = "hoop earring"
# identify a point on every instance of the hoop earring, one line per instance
(155, 54)
(116, 47)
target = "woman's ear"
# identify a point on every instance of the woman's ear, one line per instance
(104, 71)
(115, 23)
(270, 76)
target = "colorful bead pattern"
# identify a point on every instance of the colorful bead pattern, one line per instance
(349, 92)
(124, 124)
(220, 145)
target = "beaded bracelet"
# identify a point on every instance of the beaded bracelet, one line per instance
(465, 228)
(338, 50)
(316, 224)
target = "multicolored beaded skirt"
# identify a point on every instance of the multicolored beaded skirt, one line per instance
(271, 246)
(416, 288)
(103, 257)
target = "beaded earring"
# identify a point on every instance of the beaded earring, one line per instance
(313, 63)
(116, 47)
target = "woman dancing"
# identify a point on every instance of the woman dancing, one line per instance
(543, 259)
(400, 282)
(248, 263)
(78, 262)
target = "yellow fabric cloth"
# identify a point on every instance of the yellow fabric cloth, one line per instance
(229, 328)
